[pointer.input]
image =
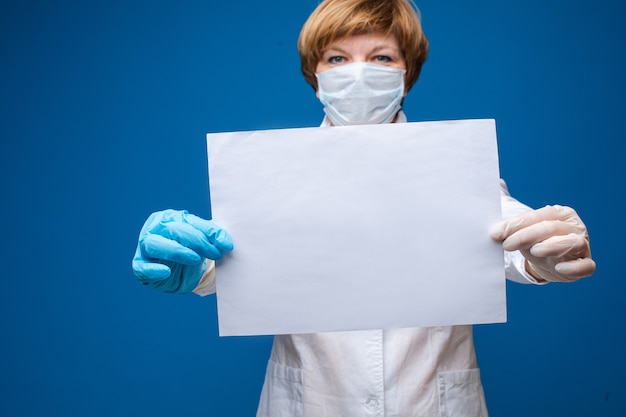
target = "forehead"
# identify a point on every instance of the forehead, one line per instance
(365, 41)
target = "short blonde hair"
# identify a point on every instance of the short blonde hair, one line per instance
(337, 19)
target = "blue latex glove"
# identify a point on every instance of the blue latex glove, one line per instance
(172, 249)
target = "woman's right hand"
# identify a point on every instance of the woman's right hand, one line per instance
(173, 247)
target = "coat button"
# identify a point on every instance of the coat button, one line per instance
(372, 403)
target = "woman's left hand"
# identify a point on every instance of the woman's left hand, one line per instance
(554, 241)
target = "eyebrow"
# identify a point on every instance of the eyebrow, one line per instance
(374, 50)
(336, 49)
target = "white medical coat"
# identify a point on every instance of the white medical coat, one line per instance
(387, 373)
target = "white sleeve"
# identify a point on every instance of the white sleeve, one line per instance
(514, 262)
(206, 285)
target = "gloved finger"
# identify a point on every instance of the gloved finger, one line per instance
(577, 268)
(216, 235)
(185, 233)
(535, 233)
(156, 246)
(572, 245)
(506, 228)
(150, 271)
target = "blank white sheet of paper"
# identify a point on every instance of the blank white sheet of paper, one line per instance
(358, 227)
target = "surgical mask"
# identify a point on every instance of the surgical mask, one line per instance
(361, 93)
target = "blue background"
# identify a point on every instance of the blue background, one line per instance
(104, 109)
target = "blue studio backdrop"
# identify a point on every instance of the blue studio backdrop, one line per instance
(104, 110)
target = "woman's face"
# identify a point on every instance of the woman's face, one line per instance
(374, 48)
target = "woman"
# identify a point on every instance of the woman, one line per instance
(362, 57)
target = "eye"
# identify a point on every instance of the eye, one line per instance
(383, 59)
(334, 60)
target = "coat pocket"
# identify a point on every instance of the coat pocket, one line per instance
(282, 392)
(461, 394)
